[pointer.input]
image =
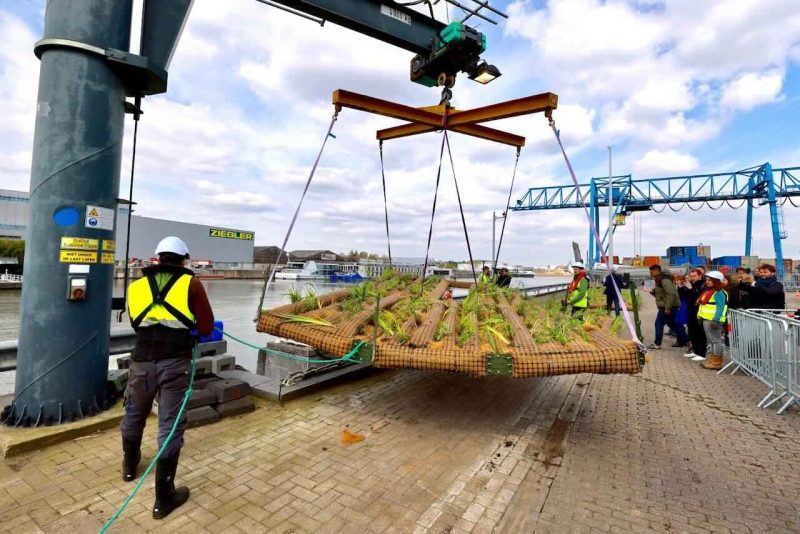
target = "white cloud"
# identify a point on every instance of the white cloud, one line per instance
(752, 89)
(665, 162)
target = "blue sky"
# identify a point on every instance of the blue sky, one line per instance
(676, 86)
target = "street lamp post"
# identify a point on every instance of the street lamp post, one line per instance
(495, 218)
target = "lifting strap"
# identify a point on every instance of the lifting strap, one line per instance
(268, 278)
(433, 210)
(505, 214)
(596, 237)
(461, 208)
(385, 204)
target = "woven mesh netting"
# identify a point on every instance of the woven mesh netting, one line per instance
(417, 326)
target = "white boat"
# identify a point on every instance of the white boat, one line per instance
(517, 273)
(311, 270)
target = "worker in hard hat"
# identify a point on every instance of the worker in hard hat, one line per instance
(577, 293)
(165, 306)
(712, 313)
(486, 275)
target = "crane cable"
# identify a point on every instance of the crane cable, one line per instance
(505, 213)
(137, 113)
(433, 209)
(461, 208)
(269, 278)
(385, 204)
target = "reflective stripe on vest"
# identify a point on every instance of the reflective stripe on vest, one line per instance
(171, 308)
(708, 310)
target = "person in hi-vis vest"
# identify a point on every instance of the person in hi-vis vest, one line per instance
(167, 308)
(712, 312)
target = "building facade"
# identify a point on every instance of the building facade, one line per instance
(214, 243)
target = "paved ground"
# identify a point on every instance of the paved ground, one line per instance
(674, 449)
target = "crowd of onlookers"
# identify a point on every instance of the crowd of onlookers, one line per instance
(695, 306)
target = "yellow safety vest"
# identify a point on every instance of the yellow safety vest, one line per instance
(168, 306)
(584, 302)
(709, 310)
(485, 279)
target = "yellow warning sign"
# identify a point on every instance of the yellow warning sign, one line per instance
(109, 245)
(93, 213)
(77, 256)
(107, 257)
(79, 243)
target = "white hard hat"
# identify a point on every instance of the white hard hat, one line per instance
(174, 245)
(576, 264)
(716, 275)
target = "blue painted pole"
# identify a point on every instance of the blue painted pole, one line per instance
(62, 361)
(773, 214)
(593, 212)
(748, 233)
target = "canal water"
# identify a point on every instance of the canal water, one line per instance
(234, 303)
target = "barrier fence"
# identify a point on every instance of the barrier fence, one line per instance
(764, 344)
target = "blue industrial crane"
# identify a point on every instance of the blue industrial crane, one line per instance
(756, 186)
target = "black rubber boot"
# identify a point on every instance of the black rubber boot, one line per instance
(167, 497)
(132, 454)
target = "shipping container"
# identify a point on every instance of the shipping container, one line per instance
(678, 260)
(604, 259)
(627, 261)
(768, 261)
(704, 250)
(724, 269)
(651, 260)
(788, 265)
(699, 261)
(728, 261)
(690, 251)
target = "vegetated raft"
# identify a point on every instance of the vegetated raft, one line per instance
(493, 331)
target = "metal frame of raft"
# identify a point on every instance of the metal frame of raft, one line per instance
(604, 353)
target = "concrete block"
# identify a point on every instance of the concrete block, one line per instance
(201, 383)
(201, 397)
(202, 366)
(205, 415)
(124, 362)
(224, 362)
(236, 407)
(118, 379)
(213, 348)
(245, 376)
(275, 366)
(229, 389)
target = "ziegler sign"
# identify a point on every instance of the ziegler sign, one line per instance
(230, 234)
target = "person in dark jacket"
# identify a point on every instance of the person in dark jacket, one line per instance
(689, 291)
(612, 298)
(668, 304)
(503, 279)
(166, 307)
(766, 292)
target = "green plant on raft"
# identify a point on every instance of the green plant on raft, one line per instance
(295, 295)
(466, 330)
(311, 300)
(387, 322)
(303, 319)
(616, 325)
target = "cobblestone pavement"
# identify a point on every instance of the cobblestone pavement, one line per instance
(676, 448)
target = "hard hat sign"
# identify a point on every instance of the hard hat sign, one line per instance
(99, 218)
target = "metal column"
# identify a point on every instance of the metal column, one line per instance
(590, 257)
(63, 345)
(773, 214)
(748, 233)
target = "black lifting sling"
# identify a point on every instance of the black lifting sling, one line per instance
(159, 297)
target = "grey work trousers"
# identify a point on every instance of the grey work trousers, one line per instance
(715, 334)
(166, 380)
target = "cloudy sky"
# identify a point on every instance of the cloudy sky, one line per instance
(676, 86)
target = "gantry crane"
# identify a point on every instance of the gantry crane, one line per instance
(753, 187)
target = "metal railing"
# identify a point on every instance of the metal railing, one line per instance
(764, 344)
(5, 277)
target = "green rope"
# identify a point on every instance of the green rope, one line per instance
(136, 489)
(350, 356)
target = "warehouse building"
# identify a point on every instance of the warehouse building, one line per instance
(219, 245)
